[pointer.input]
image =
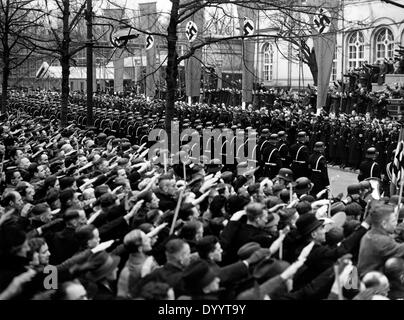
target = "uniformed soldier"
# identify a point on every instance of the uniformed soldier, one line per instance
(262, 143)
(300, 155)
(369, 168)
(284, 177)
(271, 157)
(342, 145)
(284, 149)
(318, 169)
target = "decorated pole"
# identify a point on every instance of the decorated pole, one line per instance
(290, 192)
(336, 272)
(177, 209)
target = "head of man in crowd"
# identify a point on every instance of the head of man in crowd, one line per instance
(75, 217)
(69, 198)
(384, 217)
(178, 252)
(43, 159)
(16, 155)
(137, 241)
(209, 249)
(167, 185)
(257, 215)
(12, 200)
(310, 228)
(71, 290)
(24, 163)
(13, 177)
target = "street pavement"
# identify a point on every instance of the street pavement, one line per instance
(340, 180)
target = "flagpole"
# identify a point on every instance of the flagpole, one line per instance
(177, 209)
(336, 272)
(342, 54)
(400, 195)
(400, 139)
(329, 199)
(290, 193)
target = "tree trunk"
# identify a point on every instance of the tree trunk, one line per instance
(6, 74)
(65, 91)
(6, 59)
(172, 67)
(65, 63)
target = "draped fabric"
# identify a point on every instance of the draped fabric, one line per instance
(193, 64)
(324, 45)
(118, 74)
(148, 21)
(248, 54)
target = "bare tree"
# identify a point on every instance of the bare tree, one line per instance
(181, 11)
(62, 39)
(295, 29)
(17, 18)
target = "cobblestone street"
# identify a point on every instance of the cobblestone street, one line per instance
(340, 179)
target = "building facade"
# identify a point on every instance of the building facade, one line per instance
(372, 31)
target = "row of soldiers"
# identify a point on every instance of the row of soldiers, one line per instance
(345, 139)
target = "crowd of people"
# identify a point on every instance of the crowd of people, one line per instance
(92, 206)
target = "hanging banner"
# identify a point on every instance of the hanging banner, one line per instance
(191, 31)
(148, 20)
(325, 25)
(149, 42)
(193, 64)
(248, 27)
(118, 75)
(247, 18)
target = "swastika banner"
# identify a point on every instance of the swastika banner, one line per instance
(148, 18)
(325, 25)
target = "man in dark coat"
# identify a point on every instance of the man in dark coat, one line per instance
(14, 249)
(354, 146)
(394, 271)
(369, 168)
(343, 142)
(165, 193)
(322, 256)
(333, 141)
(65, 243)
(378, 245)
(210, 250)
(240, 231)
(284, 149)
(271, 158)
(178, 254)
(300, 155)
(318, 168)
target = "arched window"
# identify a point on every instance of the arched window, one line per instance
(384, 44)
(334, 66)
(268, 61)
(356, 50)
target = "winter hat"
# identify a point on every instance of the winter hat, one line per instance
(197, 276)
(337, 207)
(236, 203)
(102, 264)
(303, 208)
(353, 209)
(247, 250)
(269, 268)
(308, 223)
(11, 237)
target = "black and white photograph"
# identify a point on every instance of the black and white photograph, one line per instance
(219, 151)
